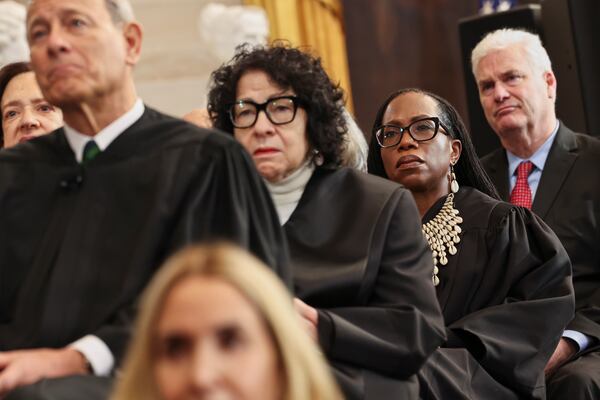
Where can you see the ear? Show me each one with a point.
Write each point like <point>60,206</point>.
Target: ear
<point>550,80</point>
<point>456,147</point>
<point>132,32</point>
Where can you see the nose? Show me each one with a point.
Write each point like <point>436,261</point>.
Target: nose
<point>406,141</point>
<point>500,92</point>
<point>205,368</point>
<point>29,120</point>
<point>263,126</point>
<point>57,41</point>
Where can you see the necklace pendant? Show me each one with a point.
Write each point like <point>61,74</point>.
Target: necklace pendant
<point>442,234</point>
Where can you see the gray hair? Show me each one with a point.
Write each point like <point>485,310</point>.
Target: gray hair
<point>120,11</point>
<point>503,38</point>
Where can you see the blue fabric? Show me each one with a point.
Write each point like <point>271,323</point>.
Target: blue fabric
<point>582,340</point>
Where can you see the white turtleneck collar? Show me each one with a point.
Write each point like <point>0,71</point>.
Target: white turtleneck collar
<point>287,192</point>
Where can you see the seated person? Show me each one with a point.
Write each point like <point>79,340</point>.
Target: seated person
<point>359,260</point>
<point>94,208</point>
<point>215,323</point>
<point>25,112</point>
<point>502,277</point>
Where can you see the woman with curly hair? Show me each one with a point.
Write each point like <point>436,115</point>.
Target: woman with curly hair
<point>359,260</point>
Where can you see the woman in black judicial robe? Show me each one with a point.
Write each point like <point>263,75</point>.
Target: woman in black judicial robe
<point>359,261</point>
<point>502,277</point>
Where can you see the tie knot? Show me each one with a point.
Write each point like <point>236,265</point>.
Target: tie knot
<point>524,169</point>
<point>90,151</point>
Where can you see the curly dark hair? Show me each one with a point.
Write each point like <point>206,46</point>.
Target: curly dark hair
<point>293,68</point>
<point>469,170</point>
<point>7,73</point>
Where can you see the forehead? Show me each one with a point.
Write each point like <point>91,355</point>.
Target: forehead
<point>258,82</point>
<point>216,300</point>
<point>409,105</point>
<point>47,9</point>
<point>21,87</point>
<point>502,60</point>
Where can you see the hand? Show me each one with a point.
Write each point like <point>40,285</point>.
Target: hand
<point>199,117</point>
<point>565,349</point>
<point>24,367</point>
<point>310,317</point>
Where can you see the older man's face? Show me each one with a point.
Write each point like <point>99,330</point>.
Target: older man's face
<point>514,95</point>
<point>77,52</point>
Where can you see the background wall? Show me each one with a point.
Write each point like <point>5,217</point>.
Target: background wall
<point>175,66</point>
<point>393,44</point>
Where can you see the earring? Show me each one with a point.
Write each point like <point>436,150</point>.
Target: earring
<point>318,158</point>
<point>453,182</point>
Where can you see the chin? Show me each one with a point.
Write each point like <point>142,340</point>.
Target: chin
<point>269,172</point>
<point>509,123</point>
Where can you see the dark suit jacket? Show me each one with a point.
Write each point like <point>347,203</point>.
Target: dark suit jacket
<point>568,200</point>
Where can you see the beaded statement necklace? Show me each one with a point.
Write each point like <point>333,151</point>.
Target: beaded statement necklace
<point>442,235</point>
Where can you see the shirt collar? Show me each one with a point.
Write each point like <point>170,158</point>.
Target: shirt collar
<point>106,136</point>
<point>538,158</point>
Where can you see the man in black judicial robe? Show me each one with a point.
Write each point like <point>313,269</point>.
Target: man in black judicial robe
<point>80,236</point>
<point>566,169</point>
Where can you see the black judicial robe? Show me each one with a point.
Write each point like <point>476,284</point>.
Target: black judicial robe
<point>359,257</point>
<point>506,297</point>
<point>79,243</point>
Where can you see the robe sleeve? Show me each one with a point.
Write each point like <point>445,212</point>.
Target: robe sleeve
<point>513,339</point>
<point>225,199</point>
<point>399,323</point>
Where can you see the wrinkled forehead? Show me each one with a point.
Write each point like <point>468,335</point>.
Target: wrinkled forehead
<point>48,9</point>
<point>504,59</point>
<point>22,86</point>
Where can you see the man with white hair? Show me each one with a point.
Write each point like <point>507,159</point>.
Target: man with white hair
<point>95,207</point>
<point>548,168</point>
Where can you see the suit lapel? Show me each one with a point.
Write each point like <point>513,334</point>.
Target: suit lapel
<point>563,154</point>
<point>498,172</point>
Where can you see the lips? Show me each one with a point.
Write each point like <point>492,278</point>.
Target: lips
<point>505,110</point>
<point>26,138</point>
<point>265,151</point>
<point>409,161</point>
<point>62,71</point>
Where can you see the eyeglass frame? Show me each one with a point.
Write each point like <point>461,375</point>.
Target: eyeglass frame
<point>438,123</point>
<point>296,101</point>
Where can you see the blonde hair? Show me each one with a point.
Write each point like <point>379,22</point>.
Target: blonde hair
<point>503,38</point>
<point>305,372</point>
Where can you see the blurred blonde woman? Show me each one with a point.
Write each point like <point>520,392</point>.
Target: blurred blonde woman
<point>215,323</point>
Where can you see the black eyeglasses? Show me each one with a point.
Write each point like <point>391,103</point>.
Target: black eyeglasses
<point>279,110</point>
<point>421,130</point>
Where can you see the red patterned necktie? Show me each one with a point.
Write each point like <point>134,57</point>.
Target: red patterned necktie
<point>521,193</point>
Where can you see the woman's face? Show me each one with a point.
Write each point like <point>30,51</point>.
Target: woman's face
<point>25,112</point>
<point>212,344</point>
<point>277,150</point>
<point>421,167</point>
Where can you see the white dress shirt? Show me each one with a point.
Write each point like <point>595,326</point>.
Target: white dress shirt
<point>92,347</point>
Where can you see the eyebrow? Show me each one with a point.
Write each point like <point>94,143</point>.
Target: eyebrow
<point>15,103</point>
<point>42,20</point>
<point>278,94</point>
<point>413,119</point>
